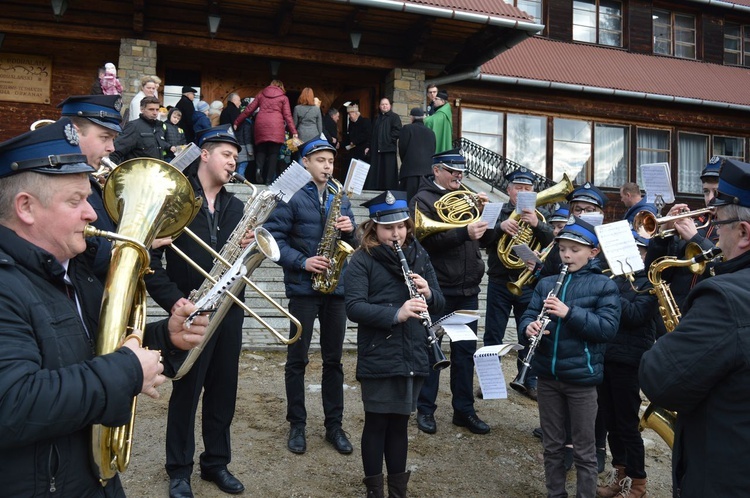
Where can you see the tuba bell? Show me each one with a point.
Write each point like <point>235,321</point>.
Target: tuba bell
<point>146,198</point>
<point>555,193</point>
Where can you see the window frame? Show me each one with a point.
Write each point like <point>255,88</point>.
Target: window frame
<point>598,22</point>
<point>674,29</point>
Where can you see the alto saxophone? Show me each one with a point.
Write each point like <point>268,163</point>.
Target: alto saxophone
<point>331,246</point>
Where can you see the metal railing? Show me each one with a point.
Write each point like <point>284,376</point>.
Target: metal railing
<point>492,168</point>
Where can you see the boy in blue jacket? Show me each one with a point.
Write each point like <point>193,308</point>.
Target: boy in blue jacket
<point>569,359</point>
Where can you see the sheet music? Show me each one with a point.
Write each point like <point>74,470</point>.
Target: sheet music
<point>186,156</point>
<point>525,200</point>
<point>491,213</point>
<point>490,371</point>
<point>458,317</point>
<point>619,248</point>
<point>459,332</point>
<point>290,181</point>
<point>524,252</point>
<point>356,176</point>
<point>656,180</point>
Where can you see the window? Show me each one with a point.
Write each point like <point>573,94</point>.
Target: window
<point>598,21</point>
<point>692,156</point>
<point>674,34</point>
<point>652,147</point>
<point>572,149</point>
<point>611,157</point>
<point>736,45</point>
<point>729,147</point>
<point>484,128</point>
<point>526,141</point>
<point>532,7</point>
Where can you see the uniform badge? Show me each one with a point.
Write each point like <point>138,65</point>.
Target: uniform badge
<point>523,170</point>
<point>389,198</point>
<point>118,104</point>
<point>587,185</point>
<point>571,220</point>
<point>71,135</point>
<point>230,132</point>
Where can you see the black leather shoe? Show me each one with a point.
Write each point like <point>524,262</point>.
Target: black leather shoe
<point>537,432</point>
<point>224,480</point>
<point>471,422</point>
<point>297,443</point>
<point>426,423</point>
<point>180,488</point>
<point>337,437</point>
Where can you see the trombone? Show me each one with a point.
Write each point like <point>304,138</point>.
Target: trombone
<point>647,225</point>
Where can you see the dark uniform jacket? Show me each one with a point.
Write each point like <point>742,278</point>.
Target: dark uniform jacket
<point>456,258</point>
<point>637,331</point>
<point>141,138</point>
<point>416,145</point>
<point>298,227</point>
<point>702,370</point>
<point>574,350</point>
<point>52,387</point>
<point>375,290</point>
<point>543,234</point>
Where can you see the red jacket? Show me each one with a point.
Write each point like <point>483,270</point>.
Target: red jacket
<point>274,112</point>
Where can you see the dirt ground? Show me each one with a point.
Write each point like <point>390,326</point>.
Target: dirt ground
<point>507,462</point>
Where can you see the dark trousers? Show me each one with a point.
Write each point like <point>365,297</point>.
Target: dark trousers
<point>499,303</point>
<point>215,375</point>
<point>384,435</point>
<point>554,397</point>
<point>619,402</point>
<point>331,313</point>
<point>461,369</point>
<point>266,158</point>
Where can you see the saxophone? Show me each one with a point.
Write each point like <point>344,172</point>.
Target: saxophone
<point>331,246</point>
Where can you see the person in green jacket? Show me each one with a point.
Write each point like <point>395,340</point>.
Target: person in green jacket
<point>441,123</point>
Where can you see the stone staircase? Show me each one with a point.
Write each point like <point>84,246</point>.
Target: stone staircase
<point>269,278</point>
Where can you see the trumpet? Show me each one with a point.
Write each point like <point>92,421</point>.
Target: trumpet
<point>646,224</point>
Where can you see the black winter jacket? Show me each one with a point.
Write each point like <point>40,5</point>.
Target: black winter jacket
<point>298,227</point>
<point>456,258</point>
<point>385,132</point>
<point>52,387</point>
<point>637,331</point>
<point>375,290</point>
<point>141,138</point>
<point>574,350</point>
<point>416,146</point>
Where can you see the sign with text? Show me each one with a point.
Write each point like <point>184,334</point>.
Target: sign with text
<point>25,78</point>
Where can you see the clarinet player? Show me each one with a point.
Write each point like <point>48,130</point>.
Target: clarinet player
<point>298,227</point>
<point>569,358</point>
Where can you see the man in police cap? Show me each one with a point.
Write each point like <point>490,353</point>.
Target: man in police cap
<point>702,368</point>
<point>455,255</point>
<point>500,300</point>
<point>52,387</point>
<point>215,372</point>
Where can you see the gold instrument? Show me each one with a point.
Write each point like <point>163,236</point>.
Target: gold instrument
<point>257,209</point>
<point>331,246</point>
<point>106,167</point>
<point>527,277</point>
<point>456,209</point>
<point>146,198</point>
<point>657,418</point>
<point>555,193</point>
<point>40,123</point>
<point>646,224</point>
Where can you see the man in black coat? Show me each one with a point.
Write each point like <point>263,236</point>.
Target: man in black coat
<point>358,134</point>
<point>215,372</point>
<point>702,368</point>
<point>458,263</point>
<point>231,111</point>
<point>416,146</point>
<point>186,106</point>
<point>383,174</point>
<point>53,388</point>
<point>331,127</point>
<point>143,137</point>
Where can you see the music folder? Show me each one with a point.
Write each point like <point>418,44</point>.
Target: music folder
<point>490,371</point>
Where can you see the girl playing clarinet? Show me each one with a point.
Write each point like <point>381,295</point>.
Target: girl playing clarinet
<point>392,356</point>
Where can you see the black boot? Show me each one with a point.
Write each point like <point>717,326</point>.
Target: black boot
<point>374,486</point>
<point>397,484</point>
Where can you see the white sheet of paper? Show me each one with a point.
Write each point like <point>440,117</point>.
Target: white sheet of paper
<point>491,213</point>
<point>290,181</point>
<point>490,371</point>
<point>356,176</point>
<point>656,180</point>
<point>524,252</point>
<point>459,317</point>
<point>619,248</point>
<point>593,219</point>
<point>525,200</point>
<point>459,332</point>
<point>186,156</point>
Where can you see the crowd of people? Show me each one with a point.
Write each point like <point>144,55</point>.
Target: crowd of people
<point>591,343</point>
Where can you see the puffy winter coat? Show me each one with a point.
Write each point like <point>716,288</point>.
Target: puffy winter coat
<point>273,118</point>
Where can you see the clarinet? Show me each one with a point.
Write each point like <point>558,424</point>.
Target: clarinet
<point>439,360</point>
<point>519,382</point>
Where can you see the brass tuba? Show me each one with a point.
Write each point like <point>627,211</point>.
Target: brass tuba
<point>555,193</point>
<point>456,209</point>
<point>146,198</point>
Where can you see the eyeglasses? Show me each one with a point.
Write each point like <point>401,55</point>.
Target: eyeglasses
<point>578,210</point>
<point>453,172</point>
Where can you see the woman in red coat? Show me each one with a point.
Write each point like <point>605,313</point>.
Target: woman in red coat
<point>274,116</point>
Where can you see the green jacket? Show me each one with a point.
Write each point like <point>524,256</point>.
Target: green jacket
<point>442,124</point>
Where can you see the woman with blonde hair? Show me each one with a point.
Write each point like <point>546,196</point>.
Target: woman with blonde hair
<point>307,116</point>
<point>274,116</point>
<point>149,86</point>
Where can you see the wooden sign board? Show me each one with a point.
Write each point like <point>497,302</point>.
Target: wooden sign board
<point>25,78</point>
